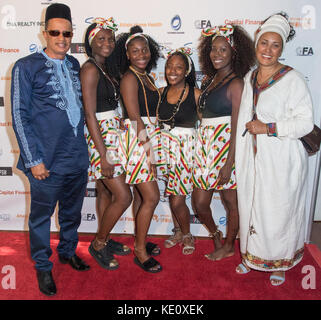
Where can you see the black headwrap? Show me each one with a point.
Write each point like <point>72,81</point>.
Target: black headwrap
<point>58,10</point>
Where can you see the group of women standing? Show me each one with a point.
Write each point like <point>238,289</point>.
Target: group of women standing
<point>194,138</point>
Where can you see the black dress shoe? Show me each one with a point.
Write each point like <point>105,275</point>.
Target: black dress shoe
<point>46,283</point>
<point>75,262</point>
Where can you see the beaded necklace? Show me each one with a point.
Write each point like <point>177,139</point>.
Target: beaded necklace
<point>139,75</point>
<point>205,93</point>
<point>116,94</point>
<point>175,109</point>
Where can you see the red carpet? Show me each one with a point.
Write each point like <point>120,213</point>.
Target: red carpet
<point>183,278</point>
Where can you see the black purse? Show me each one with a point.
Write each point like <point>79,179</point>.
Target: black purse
<point>311,141</point>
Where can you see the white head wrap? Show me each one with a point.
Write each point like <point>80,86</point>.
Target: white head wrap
<point>276,23</point>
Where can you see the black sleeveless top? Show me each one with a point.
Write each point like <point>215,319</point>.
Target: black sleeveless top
<point>105,93</point>
<point>217,104</point>
<point>186,116</point>
<point>152,101</point>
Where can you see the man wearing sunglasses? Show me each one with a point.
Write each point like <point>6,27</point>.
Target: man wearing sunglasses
<point>48,122</point>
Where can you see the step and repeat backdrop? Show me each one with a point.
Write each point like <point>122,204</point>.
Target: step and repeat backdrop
<point>172,24</point>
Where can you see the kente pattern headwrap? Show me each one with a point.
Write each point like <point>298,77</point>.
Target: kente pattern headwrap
<point>131,37</point>
<point>58,10</point>
<point>186,51</point>
<point>102,24</point>
<point>220,31</point>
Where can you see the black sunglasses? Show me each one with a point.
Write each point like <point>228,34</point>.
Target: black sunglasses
<point>56,33</point>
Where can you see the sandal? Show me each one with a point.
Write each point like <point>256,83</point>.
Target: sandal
<point>103,257</point>
<point>150,249</point>
<point>189,246</point>
<point>174,239</point>
<point>148,265</point>
<point>274,278</point>
<point>243,268</point>
<point>217,235</point>
<point>117,248</point>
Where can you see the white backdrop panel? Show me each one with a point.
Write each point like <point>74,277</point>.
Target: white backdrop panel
<point>172,24</point>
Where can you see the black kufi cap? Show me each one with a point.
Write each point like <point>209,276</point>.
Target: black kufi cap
<point>58,10</point>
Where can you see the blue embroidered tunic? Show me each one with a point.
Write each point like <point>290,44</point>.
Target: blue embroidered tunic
<point>47,113</point>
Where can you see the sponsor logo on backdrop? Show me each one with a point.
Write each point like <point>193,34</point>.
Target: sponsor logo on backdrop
<point>125,218</point>
<point>89,20</point>
<point>202,24</point>
<point>222,221</point>
<point>13,192</point>
<point>243,22</point>
<point>309,18</point>
<point>5,171</point>
<point>24,215</point>
<point>91,193</point>
<point>9,50</point>
<point>162,218</point>
<point>307,22</point>
<point>142,24</point>
<point>301,22</point>
<point>199,76</point>
<point>6,124</point>
<point>304,51</point>
<point>1,102</point>
<point>88,217</point>
<point>176,24</point>
<point>4,217</point>
<point>77,48</point>
<point>22,24</point>
<point>33,47</point>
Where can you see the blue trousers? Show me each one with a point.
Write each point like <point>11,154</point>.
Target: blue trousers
<point>69,191</point>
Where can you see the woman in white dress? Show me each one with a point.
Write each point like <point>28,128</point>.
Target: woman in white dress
<point>271,162</point>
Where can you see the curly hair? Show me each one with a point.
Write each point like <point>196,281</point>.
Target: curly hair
<point>191,77</point>
<point>120,50</point>
<point>242,60</point>
<point>110,61</point>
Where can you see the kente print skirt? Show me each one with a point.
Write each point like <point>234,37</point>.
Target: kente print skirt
<point>212,146</point>
<point>179,145</point>
<point>135,156</point>
<point>109,127</point>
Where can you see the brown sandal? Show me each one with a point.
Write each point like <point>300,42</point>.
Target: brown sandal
<point>216,235</point>
<point>174,239</point>
<point>189,244</point>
